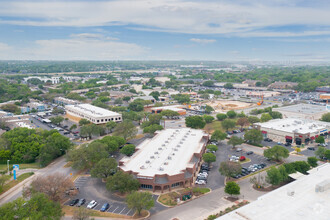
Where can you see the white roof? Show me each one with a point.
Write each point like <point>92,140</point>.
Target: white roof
<point>303,109</point>
<point>172,107</point>
<point>92,111</point>
<point>295,125</point>
<point>169,152</point>
<point>306,198</point>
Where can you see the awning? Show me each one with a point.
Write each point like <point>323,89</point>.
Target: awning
<point>264,132</point>
<point>288,137</point>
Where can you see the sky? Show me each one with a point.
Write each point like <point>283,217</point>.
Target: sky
<point>220,30</point>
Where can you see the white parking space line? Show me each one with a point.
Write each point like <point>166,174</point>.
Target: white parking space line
<point>122,210</point>
<point>115,209</point>
<point>128,211</point>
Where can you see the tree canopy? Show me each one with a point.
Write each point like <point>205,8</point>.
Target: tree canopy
<point>139,201</point>
<point>253,136</point>
<point>232,188</point>
<point>122,182</point>
<point>195,122</point>
<point>228,124</point>
<point>104,168</point>
<point>229,168</point>
<point>277,153</point>
<point>218,135</point>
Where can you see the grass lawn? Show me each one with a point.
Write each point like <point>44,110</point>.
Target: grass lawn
<point>168,199</point>
<point>69,210</point>
<point>245,161</point>
<point>15,182</point>
<point>21,166</point>
<point>215,125</point>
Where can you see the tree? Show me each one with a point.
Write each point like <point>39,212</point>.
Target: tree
<point>301,166</point>
<point>320,140</point>
<point>38,206</point>
<point>74,126</point>
<point>126,98</point>
<point>182,98</point>
<point>3,180</point>
<point>155,94</point>
<point>110,125</point>
<point>253,136</point>
<point>232,188</point>
<point>231,114</point>
<point>208,109</point>
<point>265,117</point>
<point>228,86</point>
<point>128,149</point>
<point>54,186</point>
<point>241,115</point>
<point>221,116</point>
<point>83,122</point>
<point>242,122</point>
<point>139,201</point>
<point>229,168</point>
<point>274,176</point>
<point>208,118</point>
<point>169,113</point>
<point>212,147</point>
<point>56,120</point>
<point>327,154</point>
<point>56,111</point>
<point>81,214</point>
<point>122,182</point>
<point>152,128</point>
<point>253,119</point>
<point>228,124</point>
<point>126,129</point>
<point>275,115</point>
<point>218,135</point>
<point>208,83</point>
<point>104,168</point>
<point>234,140</point>
<point>209,158</point>
<point>276,153</point>
<point>312,161</point>
<point>284,174</point>
<point>195,122</point>
<point>320,151</point>
<point>326,117</point>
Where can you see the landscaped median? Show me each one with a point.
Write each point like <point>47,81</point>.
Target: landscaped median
<point>13,183</point>
<point>171,199</point>
<point>227,210</point>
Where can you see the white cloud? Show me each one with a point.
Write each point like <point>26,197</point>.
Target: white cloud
<point>239,18</point>
<point>202,41</point>
<point>77,47</point>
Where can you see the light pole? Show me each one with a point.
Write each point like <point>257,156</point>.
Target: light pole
<point>8,165</point>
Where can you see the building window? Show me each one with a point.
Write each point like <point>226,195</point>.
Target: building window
<point>176,184</point>
<point>101,120</point>
<point>98,120</point>
<point>116,119</point>
<point>119,118</point>
<point>111,119</point>
<point>144,186</point>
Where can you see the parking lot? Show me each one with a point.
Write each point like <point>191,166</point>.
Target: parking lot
<point>215,180</point>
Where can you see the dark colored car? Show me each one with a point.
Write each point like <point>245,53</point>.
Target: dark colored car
<point>81,202</point>
<point>104,207</point>
<point>263,165</point>
<point>249,152</point>
<point>287,144</point>
<point>66,132</point>
<point>73,202</point>
<point>268,140</point>
<point>311,148</point>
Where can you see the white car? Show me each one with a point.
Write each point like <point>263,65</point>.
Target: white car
<point>202,175</point>
<point>92,204</point>
<point>200,182</point>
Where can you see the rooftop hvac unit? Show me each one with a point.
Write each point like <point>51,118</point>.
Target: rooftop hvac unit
<point>163,145</point>
<point>178,145</point>
<point>185,136</point>
<point>166,163</point>
<point>169,157</point>
<point>166,142</point>
<point>161,169</point>
<point>156,152</point>
<point>173,154</point>
<point>152,157</point>
<point>175,149</point>
<point>183,139</point>
<point>147,161</point>
<point>160,148</point>
<point>142,167</point>
<point>181,142</point>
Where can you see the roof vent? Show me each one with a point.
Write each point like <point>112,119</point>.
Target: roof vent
<point>166,142</point>
<point>147,161</point>
<point>156,152</point>
<point>160,148</point>
<point>173,154</point>
<point>166,163</point>
<point>290,192</point>
<point>152,157</point>
<point>161,169</point>
<point>175,149</point>
<point>169,157</point>
<point>163,145</point>
<point>181,142</point>
<point>142,167</point>
<point>178,145</point>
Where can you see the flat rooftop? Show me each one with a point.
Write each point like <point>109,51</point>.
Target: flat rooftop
<point>169,152</point>
<point>304,199</point>
<point>303,108</point>
<point>92,111</point>
<point>295,125</point>
<point>170,107</point>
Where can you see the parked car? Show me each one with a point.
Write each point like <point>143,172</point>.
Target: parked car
<point>249,152</point>
<point>310,148</point>
<point>92,204</point>
<point>242,158</point>
<point>287,144</point>
<point>238,150</point>
<point>66,132</point>
<point>73,202</point>
<point>81,202</point>
<point>105,207</point>
<point>200,182</point>
<point>268,140</point>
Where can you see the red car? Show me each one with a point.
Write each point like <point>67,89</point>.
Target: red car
<point>242,158</point>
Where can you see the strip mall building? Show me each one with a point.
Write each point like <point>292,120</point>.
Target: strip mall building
<point>170,159</point>
<point>293,130</point>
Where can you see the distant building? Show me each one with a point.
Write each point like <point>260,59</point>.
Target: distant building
<point>53,80</point>
<point>251,83</point>
<point>147,98</point>
<point>39,107</point>
<point>303,199</point>
<point>325,89</point>
<point>17,121</point>
<point>293,130</point>
<point>120,94</point>
<point>65,101</point>
<point>282,85</point>
<point>304,111</point>
<point>170,159</point>
<point>92,113</point>
<point>176,108</point>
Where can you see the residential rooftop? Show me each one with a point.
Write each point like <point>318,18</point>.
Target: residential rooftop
<point>295,125</point>
<point>170,152</point>
<point>306,198</point>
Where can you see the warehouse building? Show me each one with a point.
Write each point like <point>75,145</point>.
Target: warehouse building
<point>170,159</point>
<point>65,101</point>
<point>293,130</point>
<point>92,113</point>
<point>303,111</point>
<point>303,199</point>
<point>176,108</point>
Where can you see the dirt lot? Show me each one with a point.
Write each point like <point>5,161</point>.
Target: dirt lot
<point>227,105</point>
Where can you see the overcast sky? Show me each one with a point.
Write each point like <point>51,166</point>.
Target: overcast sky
<point>230,30</point>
